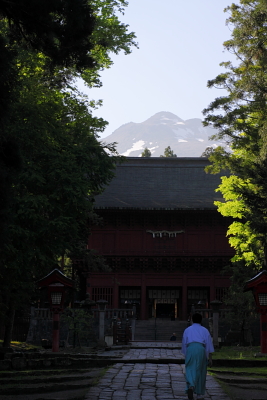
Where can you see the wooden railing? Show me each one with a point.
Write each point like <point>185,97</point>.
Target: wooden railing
<point>120,313</point>
<point>42,313</point>
<point>208,312</point>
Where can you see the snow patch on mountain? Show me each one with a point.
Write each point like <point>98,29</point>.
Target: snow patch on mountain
<point>136,146</point>
<point>187,138</point>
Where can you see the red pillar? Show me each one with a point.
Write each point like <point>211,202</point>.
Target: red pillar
<point>55,343</point>
<point>115,293</point>
<point>143,298</point>
<point>89,289</point>
<point>115,331</point>
<point>184,299</point>
<point>264,333</point>
<point>212,288</point>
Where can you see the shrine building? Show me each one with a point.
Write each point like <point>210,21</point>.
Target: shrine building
<point>162,237</point>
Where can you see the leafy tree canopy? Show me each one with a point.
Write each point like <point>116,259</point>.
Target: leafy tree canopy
<point>63,167</point>
<point>146,153</point>
<point>52,162</point>
<point>75,39</point>
<point>168,152</point>
<point>207,152</point>
<point>241,120</point>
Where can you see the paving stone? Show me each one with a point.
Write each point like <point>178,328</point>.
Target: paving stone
<point>147,381</point>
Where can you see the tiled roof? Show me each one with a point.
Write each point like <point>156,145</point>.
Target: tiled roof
<point>161,183</point>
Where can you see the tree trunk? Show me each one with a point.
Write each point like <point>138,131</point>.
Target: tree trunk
<point>62,262</point>
<point>10,315</point>
<point>265,255</point>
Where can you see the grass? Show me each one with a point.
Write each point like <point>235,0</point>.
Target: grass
<point>39,372</point>
<point>22,346</point>
<point>258,371</point>
<point>225,352</point>
<point>102,373</point>
<point>237,353</point>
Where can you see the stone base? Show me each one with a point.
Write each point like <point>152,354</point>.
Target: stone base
<point>260,355</point>
<point>101,343</point>
<point>109,340</point>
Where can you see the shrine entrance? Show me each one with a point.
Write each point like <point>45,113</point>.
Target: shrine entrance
<point>164,303</point>
<point>165,310</point>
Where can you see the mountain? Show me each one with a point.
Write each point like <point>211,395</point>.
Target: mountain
<point>186,138</point>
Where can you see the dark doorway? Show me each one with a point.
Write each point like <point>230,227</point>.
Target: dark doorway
<point>165,310</point>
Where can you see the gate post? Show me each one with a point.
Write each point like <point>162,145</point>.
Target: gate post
<point>115,327</point>
<point>128,333</point>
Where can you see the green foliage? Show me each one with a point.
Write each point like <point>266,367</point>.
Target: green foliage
<point>23,346</point>
<point>146,153</point>
<point>52,162</point>
<point>168,152</point>
<point>242,236</point>
<point>64,166</point>
<point>235,353</point>
<point>241,120</point>
<point>80,323</point>
<point>241,117</point>
<point>253,372</point>
<point>207,152</point>
<point>241,305</point>
<point>70,33</point>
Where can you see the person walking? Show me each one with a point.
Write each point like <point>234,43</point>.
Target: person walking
<point>197,347</point>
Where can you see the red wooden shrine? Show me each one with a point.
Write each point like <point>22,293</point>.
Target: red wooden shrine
<point>162,238</point>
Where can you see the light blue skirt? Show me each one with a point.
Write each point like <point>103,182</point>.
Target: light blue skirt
<point>196,367</point>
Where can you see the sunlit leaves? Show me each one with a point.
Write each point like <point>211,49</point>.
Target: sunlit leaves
<point>241,120</point>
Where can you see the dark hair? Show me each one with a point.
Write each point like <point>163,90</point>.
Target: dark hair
<point>197,318</point>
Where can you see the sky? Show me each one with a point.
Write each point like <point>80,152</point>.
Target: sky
<point>180,49</point>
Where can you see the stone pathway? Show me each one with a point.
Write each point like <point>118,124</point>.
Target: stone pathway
<point>150,353</point>
<point>147,381</point>
<point>156,345</point>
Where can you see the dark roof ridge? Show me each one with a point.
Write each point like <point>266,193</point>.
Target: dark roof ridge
<point>161,183</point>
<point>166,160</point>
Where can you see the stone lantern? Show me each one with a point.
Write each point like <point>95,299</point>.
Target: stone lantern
<point>57,284</point>
<point>87,304</point>
<point>102,308</point>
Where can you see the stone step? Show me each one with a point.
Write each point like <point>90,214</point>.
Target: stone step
<point>159,330</point>
<point>44,377</point>
<point>48,383</point>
